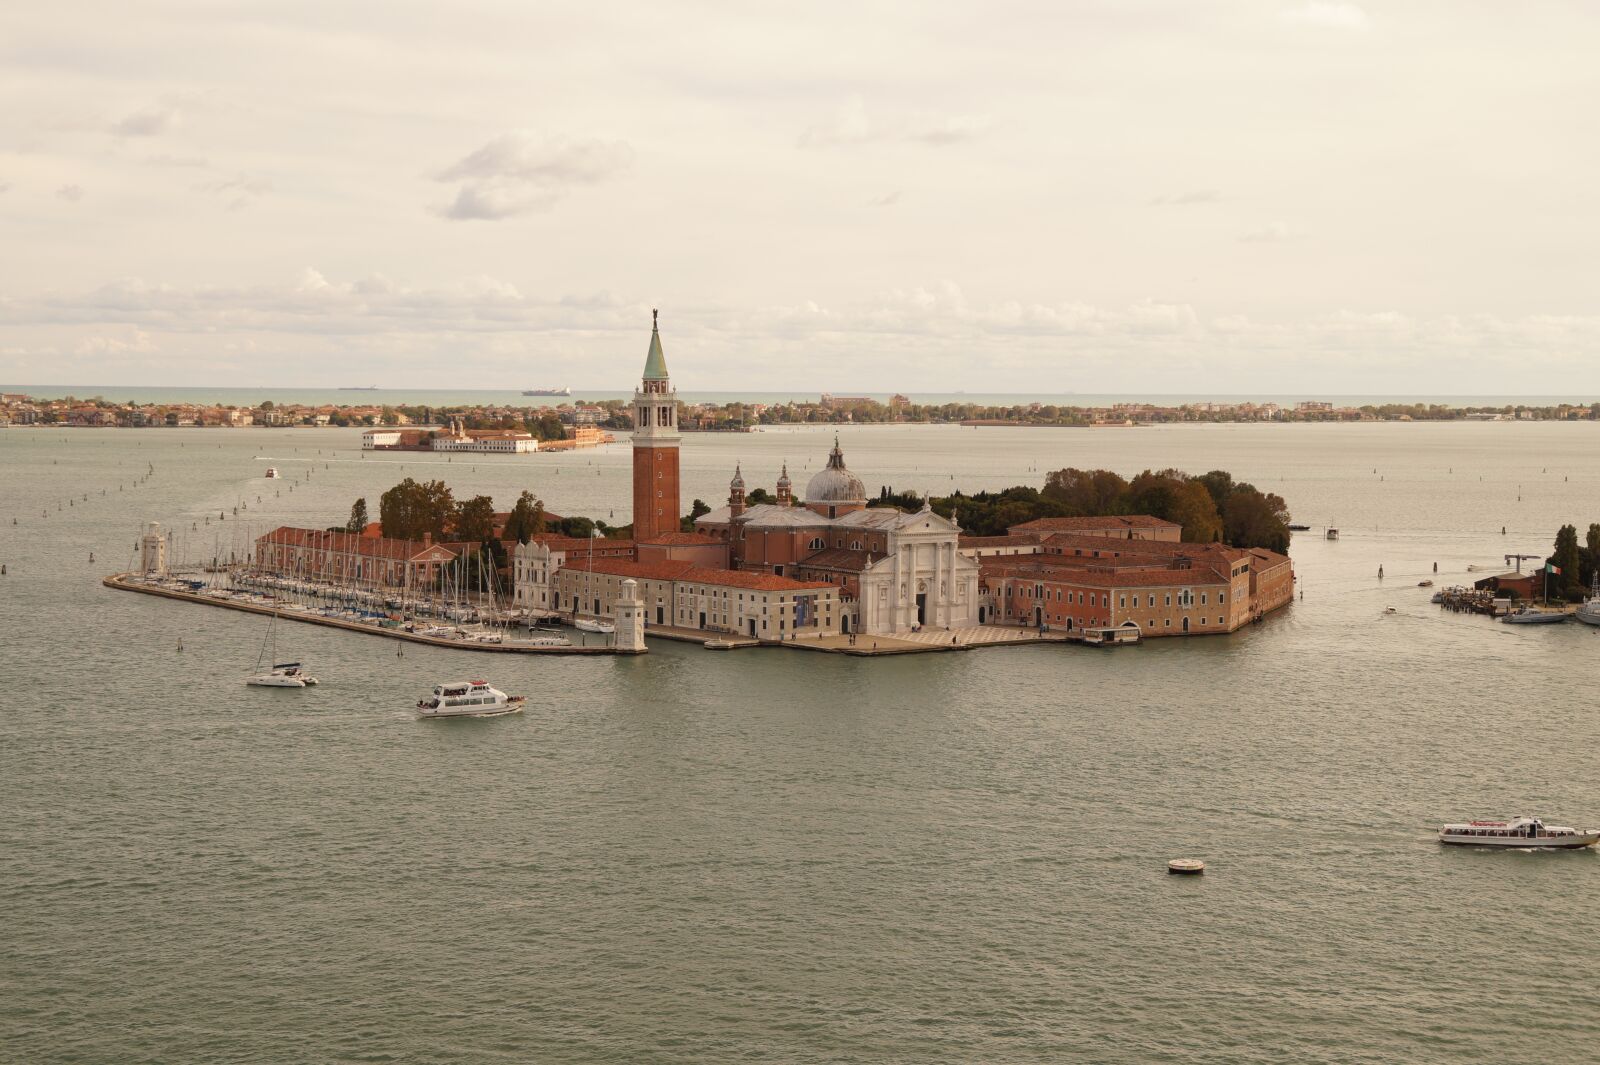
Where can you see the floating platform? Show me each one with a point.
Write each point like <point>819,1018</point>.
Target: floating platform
<point>120,581</point>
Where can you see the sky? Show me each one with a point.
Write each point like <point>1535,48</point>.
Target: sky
<point>1159,196</point>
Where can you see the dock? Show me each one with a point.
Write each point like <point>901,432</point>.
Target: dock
<point>121,582</point>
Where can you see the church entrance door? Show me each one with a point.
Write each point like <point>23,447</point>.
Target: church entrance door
<point>922,608</point>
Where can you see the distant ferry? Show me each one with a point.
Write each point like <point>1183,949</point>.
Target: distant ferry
<point>358,388</point>
<point>547,392</point>
<point>1519,832</point>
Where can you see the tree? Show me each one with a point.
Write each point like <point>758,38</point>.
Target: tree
<point>358,516</point>
<point>1220,484</point>
<point>1087,493</point>
<point>526,520</point>
<point>411,509</point>
<point>1591,558</point>
<point>474,520</point>
<point>1565,583</point>
<point>1193,508</point>
<point>575,527</point>
<point>759,495</point>
<point>699,507</point>
<point>1254,519</point>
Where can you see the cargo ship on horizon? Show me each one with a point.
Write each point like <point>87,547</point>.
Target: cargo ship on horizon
<point>547,391</point>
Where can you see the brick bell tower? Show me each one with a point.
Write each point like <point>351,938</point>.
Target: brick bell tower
<point>655,446</point>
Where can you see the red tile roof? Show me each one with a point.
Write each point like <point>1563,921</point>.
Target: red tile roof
<point>347,543</point>
<point>682,539</point>
<point>843,559</point>
<point>688,571</point>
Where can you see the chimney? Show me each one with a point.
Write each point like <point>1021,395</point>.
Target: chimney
<point>427,539</point>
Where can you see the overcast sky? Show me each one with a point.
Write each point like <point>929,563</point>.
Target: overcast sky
<point>1164,196</point>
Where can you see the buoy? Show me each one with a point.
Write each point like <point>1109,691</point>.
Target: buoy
<point>1186,866</point>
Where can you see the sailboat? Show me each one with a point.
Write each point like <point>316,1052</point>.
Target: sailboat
<point>594,624</point>
<point>282,674</point>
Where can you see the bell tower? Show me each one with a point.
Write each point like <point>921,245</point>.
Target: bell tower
<point>655,446</point>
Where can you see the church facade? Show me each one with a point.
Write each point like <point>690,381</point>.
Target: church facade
<point>897,571</point>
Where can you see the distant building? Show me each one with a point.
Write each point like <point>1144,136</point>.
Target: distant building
<point>351,558</point>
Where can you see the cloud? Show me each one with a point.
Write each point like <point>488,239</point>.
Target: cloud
<point>1273,232</point>
<point>133,342</point>
<point>852,124</point>
<point>187,161</point>
<point>517,173</point>
<point>888,199</point>
<point>1186,199</point>
<point>70,193</point>
<point>240,191</point>
<point>149,122</point>
<point>1329,14</point>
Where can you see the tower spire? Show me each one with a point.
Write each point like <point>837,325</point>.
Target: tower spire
<point>655,363</point>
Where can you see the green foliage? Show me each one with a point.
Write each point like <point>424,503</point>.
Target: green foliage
<point>759,495</point>
<point>411,509</point>
<point>358,516</point>
<point>527,519</point>
<point>474,520</point>
<point>1244,517</point>
<point>698,508</point>
<point>580,527</point>
<point>1568,582</point>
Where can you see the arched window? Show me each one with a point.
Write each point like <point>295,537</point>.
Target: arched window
<point>818,543</point>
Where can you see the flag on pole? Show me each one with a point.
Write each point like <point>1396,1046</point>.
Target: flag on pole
<point>1551,567</point>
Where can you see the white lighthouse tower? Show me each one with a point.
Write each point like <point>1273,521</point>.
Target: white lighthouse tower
<point>627,614</point>
<point>153,549</point>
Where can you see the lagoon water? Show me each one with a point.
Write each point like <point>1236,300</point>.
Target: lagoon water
<point>777,856</point>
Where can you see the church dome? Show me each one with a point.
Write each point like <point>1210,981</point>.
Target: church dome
<point>834,483</point>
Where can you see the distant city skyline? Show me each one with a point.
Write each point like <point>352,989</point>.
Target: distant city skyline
<point>1306,197</point>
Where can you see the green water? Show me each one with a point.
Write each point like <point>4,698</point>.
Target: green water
<point>775,856</point>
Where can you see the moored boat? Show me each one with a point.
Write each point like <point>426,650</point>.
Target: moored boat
<point>1529,616</point>
<point>1522,832</point>
<point>594,625</point>
<point>1589,612</point>
<point>469,698</point>
<point>272,471</point>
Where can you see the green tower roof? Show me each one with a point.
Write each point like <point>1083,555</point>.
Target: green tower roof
<point>655,365</point>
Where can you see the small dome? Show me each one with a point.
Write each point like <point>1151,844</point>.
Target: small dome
<point>835,484</point>
<point>783,478</point>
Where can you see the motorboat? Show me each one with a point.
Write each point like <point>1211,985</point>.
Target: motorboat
<point>1529,616</point>
<point>1333,534</point>
<point>283,675</point>
<point>272,472</point>
<point>594,625</point>
<point>1589,612</point>
<point>469,698</point>
<point>1298,527</point>
<point>1424,584</point>
<point>1521,832</point>
<point>546,641</point>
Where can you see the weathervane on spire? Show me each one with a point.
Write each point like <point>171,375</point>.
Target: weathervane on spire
<point>653,316</point>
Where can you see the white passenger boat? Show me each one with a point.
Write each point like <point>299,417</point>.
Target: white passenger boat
<point>1523,832</point>
<point>469,698</point>
<point>594,625</point>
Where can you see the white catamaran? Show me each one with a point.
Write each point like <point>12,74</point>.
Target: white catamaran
<point>282,674</point>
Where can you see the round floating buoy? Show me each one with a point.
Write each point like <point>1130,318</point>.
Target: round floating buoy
<point>1186,866</point>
